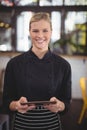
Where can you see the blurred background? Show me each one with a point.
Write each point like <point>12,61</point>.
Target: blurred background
<point>69,40</point>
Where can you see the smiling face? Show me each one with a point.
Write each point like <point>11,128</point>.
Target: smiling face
<point>40,33</point>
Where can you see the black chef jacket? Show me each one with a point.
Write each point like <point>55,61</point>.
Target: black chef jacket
<point>37,79</point>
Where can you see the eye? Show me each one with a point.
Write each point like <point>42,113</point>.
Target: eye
<point>34,30</point>
<point>45,30</point>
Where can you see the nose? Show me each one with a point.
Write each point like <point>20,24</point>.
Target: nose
<point>40,34</point>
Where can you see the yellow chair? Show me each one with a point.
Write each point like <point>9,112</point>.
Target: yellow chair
<point>83,81</point>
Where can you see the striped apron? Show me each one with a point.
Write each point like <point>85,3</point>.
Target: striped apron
<point>37,119</point>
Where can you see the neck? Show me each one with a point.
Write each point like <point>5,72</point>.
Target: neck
<point>39,53</point>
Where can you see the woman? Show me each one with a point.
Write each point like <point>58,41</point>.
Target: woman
<point>37,75</point>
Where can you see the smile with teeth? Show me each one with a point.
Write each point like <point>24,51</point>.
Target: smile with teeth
<point>41,41</point>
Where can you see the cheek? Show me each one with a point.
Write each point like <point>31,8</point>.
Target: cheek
<point>32,36</point>
<point>49,36</point>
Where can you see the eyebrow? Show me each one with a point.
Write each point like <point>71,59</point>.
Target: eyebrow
<point>38,29</point>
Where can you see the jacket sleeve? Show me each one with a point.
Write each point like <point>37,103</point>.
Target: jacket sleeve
<point>65,94</point>
<point>9,89</point>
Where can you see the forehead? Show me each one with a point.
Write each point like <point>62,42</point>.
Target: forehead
<point>40,24</point>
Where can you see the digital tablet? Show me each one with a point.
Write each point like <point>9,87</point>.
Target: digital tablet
<point>39,103</point>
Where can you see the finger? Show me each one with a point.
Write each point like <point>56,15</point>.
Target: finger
<point>53,99</point>
<point>23,99</point>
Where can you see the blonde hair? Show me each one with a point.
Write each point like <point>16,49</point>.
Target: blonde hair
<point>39,16</point>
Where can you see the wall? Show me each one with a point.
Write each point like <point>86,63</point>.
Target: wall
<point>79,69</point>
<point>78,65</point>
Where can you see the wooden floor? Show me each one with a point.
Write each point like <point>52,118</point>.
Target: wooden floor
<point>70,120</point>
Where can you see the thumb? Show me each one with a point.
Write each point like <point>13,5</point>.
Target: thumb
<point>53,99</point>
<point>23,99</point>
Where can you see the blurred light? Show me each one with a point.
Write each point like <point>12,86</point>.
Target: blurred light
<point>2,24</point>
<point>6,25</point>
<point>6,3</point>
<point>3,47</point>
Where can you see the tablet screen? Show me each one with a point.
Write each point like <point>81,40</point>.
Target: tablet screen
<point>39,103</point>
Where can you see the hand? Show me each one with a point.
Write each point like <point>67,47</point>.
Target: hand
<point>16,105</point>
<point>57,107</point>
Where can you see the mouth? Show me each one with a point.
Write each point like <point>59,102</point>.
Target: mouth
<point>40,41</point>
